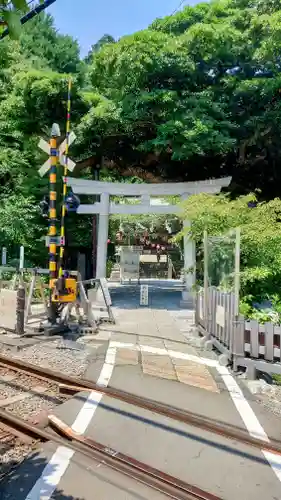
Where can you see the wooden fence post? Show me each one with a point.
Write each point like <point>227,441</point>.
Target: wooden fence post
<point>20,310</point>
<point>238,340</point>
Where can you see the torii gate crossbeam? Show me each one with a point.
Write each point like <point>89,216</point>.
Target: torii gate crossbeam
<point>145,192</point>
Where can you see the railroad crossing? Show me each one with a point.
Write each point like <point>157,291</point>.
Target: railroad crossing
<point>208,421</point>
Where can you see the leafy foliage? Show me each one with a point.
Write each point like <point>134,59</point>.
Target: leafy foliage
<point>193,96</point>
<point>11,13</point>
<point>260,239</point>
<point>33,93</point>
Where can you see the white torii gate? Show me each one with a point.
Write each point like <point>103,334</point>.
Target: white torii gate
<point>104,208</point>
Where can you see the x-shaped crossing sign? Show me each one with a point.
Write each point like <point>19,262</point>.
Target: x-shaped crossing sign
<point>45,146</point>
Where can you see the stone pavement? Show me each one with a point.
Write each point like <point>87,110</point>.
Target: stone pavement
<point>147,337</point>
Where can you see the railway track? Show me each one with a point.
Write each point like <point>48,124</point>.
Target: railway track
<point>30,397</point>
<point>72,385</point>
<point>15,429</point>
<point>21,392</point>
<point>169,485</point>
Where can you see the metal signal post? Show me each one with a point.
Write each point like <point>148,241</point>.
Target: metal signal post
<point>63,289</point>
<point>63,209</point>
<point>55,133</point>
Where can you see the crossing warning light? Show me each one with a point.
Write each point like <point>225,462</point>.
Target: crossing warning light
<point>72,202</point>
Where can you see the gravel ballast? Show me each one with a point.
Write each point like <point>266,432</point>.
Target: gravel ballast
<point>66,357</point>
<point>55,355</point>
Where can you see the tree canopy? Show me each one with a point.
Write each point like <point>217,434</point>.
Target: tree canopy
<point>260,227</point>
<point>193,96</point>
<point>196,95</point>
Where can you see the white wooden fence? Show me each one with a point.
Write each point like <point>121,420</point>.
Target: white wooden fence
<point>246,343</point>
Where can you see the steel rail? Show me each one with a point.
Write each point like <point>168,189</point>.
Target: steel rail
<point>172,483</point>
<point>153,478</point>
<point>217,427</point>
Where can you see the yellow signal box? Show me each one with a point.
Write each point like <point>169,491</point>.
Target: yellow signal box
<point>69,294</point>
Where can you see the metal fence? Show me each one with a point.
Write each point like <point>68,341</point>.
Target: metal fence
<point>246,343</point>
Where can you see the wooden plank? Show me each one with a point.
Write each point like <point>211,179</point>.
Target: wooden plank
<point>29,298</point>
<point>201,309</point>
<point>239,336</point>
<point>220,315</point>
<point>254,336</point>
<point>238,343</point>
<point>228,320</point>
<point>212,311</point>
<point>226,323</point>
<point>42,293</point>
<point>269,333</point>
<point>8,309</point>
<point>231,325</point>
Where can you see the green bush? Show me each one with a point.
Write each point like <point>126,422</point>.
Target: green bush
<point>260,263</point>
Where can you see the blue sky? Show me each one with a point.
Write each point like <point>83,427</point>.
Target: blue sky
<point>88,20</point>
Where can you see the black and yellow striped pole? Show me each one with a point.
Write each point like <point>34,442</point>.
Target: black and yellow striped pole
<point>65,171</point>
<point>55,133</point>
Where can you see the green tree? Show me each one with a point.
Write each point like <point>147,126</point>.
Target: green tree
<point>33,95</point>
<point>10,14</point>
<point>195,95</point>
<point>40,40</point>
<point>260,237</point>
<point>105,39</point>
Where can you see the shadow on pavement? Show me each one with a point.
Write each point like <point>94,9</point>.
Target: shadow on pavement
<point>129,298</point>
<point>228,448</point>
<point>18,484</point>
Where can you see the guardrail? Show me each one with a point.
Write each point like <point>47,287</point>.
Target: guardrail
<point>246,343</point>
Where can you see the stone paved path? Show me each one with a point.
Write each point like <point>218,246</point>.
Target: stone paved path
<point>158,327</point>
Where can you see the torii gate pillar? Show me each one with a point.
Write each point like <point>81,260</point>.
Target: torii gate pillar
<point>102,236</point>
<point>189,251</point>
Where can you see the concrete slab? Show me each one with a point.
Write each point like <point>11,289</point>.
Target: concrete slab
<point>83,479</point>
<point>151,341</point>
<point>233,469</point>
<point>170,333</point>
<point>124,337</point>
<point>180,346</point>
<point>218,406</point>
<point>17,342</point>
<point>96,361</point>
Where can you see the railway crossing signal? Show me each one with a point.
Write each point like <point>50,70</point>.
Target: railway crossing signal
<point>45,146</point>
